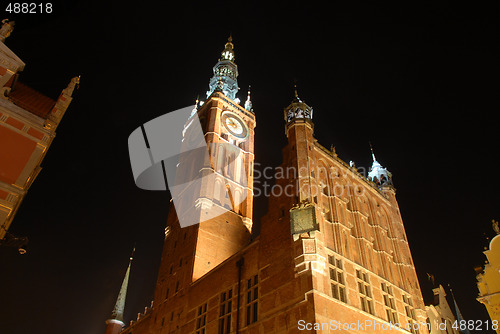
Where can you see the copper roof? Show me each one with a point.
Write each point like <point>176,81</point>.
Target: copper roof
<point>31,100</point>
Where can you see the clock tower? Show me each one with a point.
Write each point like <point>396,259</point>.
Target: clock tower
<point>224,202</point>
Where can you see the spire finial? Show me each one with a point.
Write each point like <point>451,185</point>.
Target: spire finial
<point>132,254</point>
<point>248,102</point>
<point>295,89</point>
<point>230,38</point>
<point>371,149</point>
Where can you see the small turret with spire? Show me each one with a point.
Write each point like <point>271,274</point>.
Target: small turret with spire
<point>378,174</point>
<point>298,110</point>
<point>114,324</point>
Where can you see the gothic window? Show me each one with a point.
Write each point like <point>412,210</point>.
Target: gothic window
<point>337,278</point>
<point>201,319</point>
<point>252,300</point>
<point>226,305</point>
<point>390,305</point>
<point>365,293</point>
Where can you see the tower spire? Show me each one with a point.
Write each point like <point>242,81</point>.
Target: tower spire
<point>378,174</point>
<point>225,73</point>
<point>295,92</point>
<point>371,149</point>
<point>460,318</point>
<point>115,322</point>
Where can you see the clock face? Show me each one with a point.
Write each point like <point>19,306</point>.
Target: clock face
<point>234,125</point>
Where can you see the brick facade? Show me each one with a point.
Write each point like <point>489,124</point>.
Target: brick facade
<point>350,265</point>
<point>341,271</point>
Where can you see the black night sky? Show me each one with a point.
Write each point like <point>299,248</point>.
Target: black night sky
<point>419,82</point>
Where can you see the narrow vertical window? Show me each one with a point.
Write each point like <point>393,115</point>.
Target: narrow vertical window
<point>410,313</point>
<point>201,319</point>
<point>226,307</point>
<point>365,292</point>
<point>252,300</point>
<point>337,278</point>
<point>390,305</point>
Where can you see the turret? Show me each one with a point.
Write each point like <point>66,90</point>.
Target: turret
<point>298,112</point>
<point>378,174</point>
<point>114,324</point>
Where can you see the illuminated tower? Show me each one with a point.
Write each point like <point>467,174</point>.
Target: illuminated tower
<point>348,235</point>
<point>191,252</point>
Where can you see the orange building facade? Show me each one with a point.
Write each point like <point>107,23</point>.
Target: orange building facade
<point>28,121</point>
<point>332,253</point>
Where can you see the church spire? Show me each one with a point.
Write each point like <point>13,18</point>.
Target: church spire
<point>225,73</point>
<point>115,322</point>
